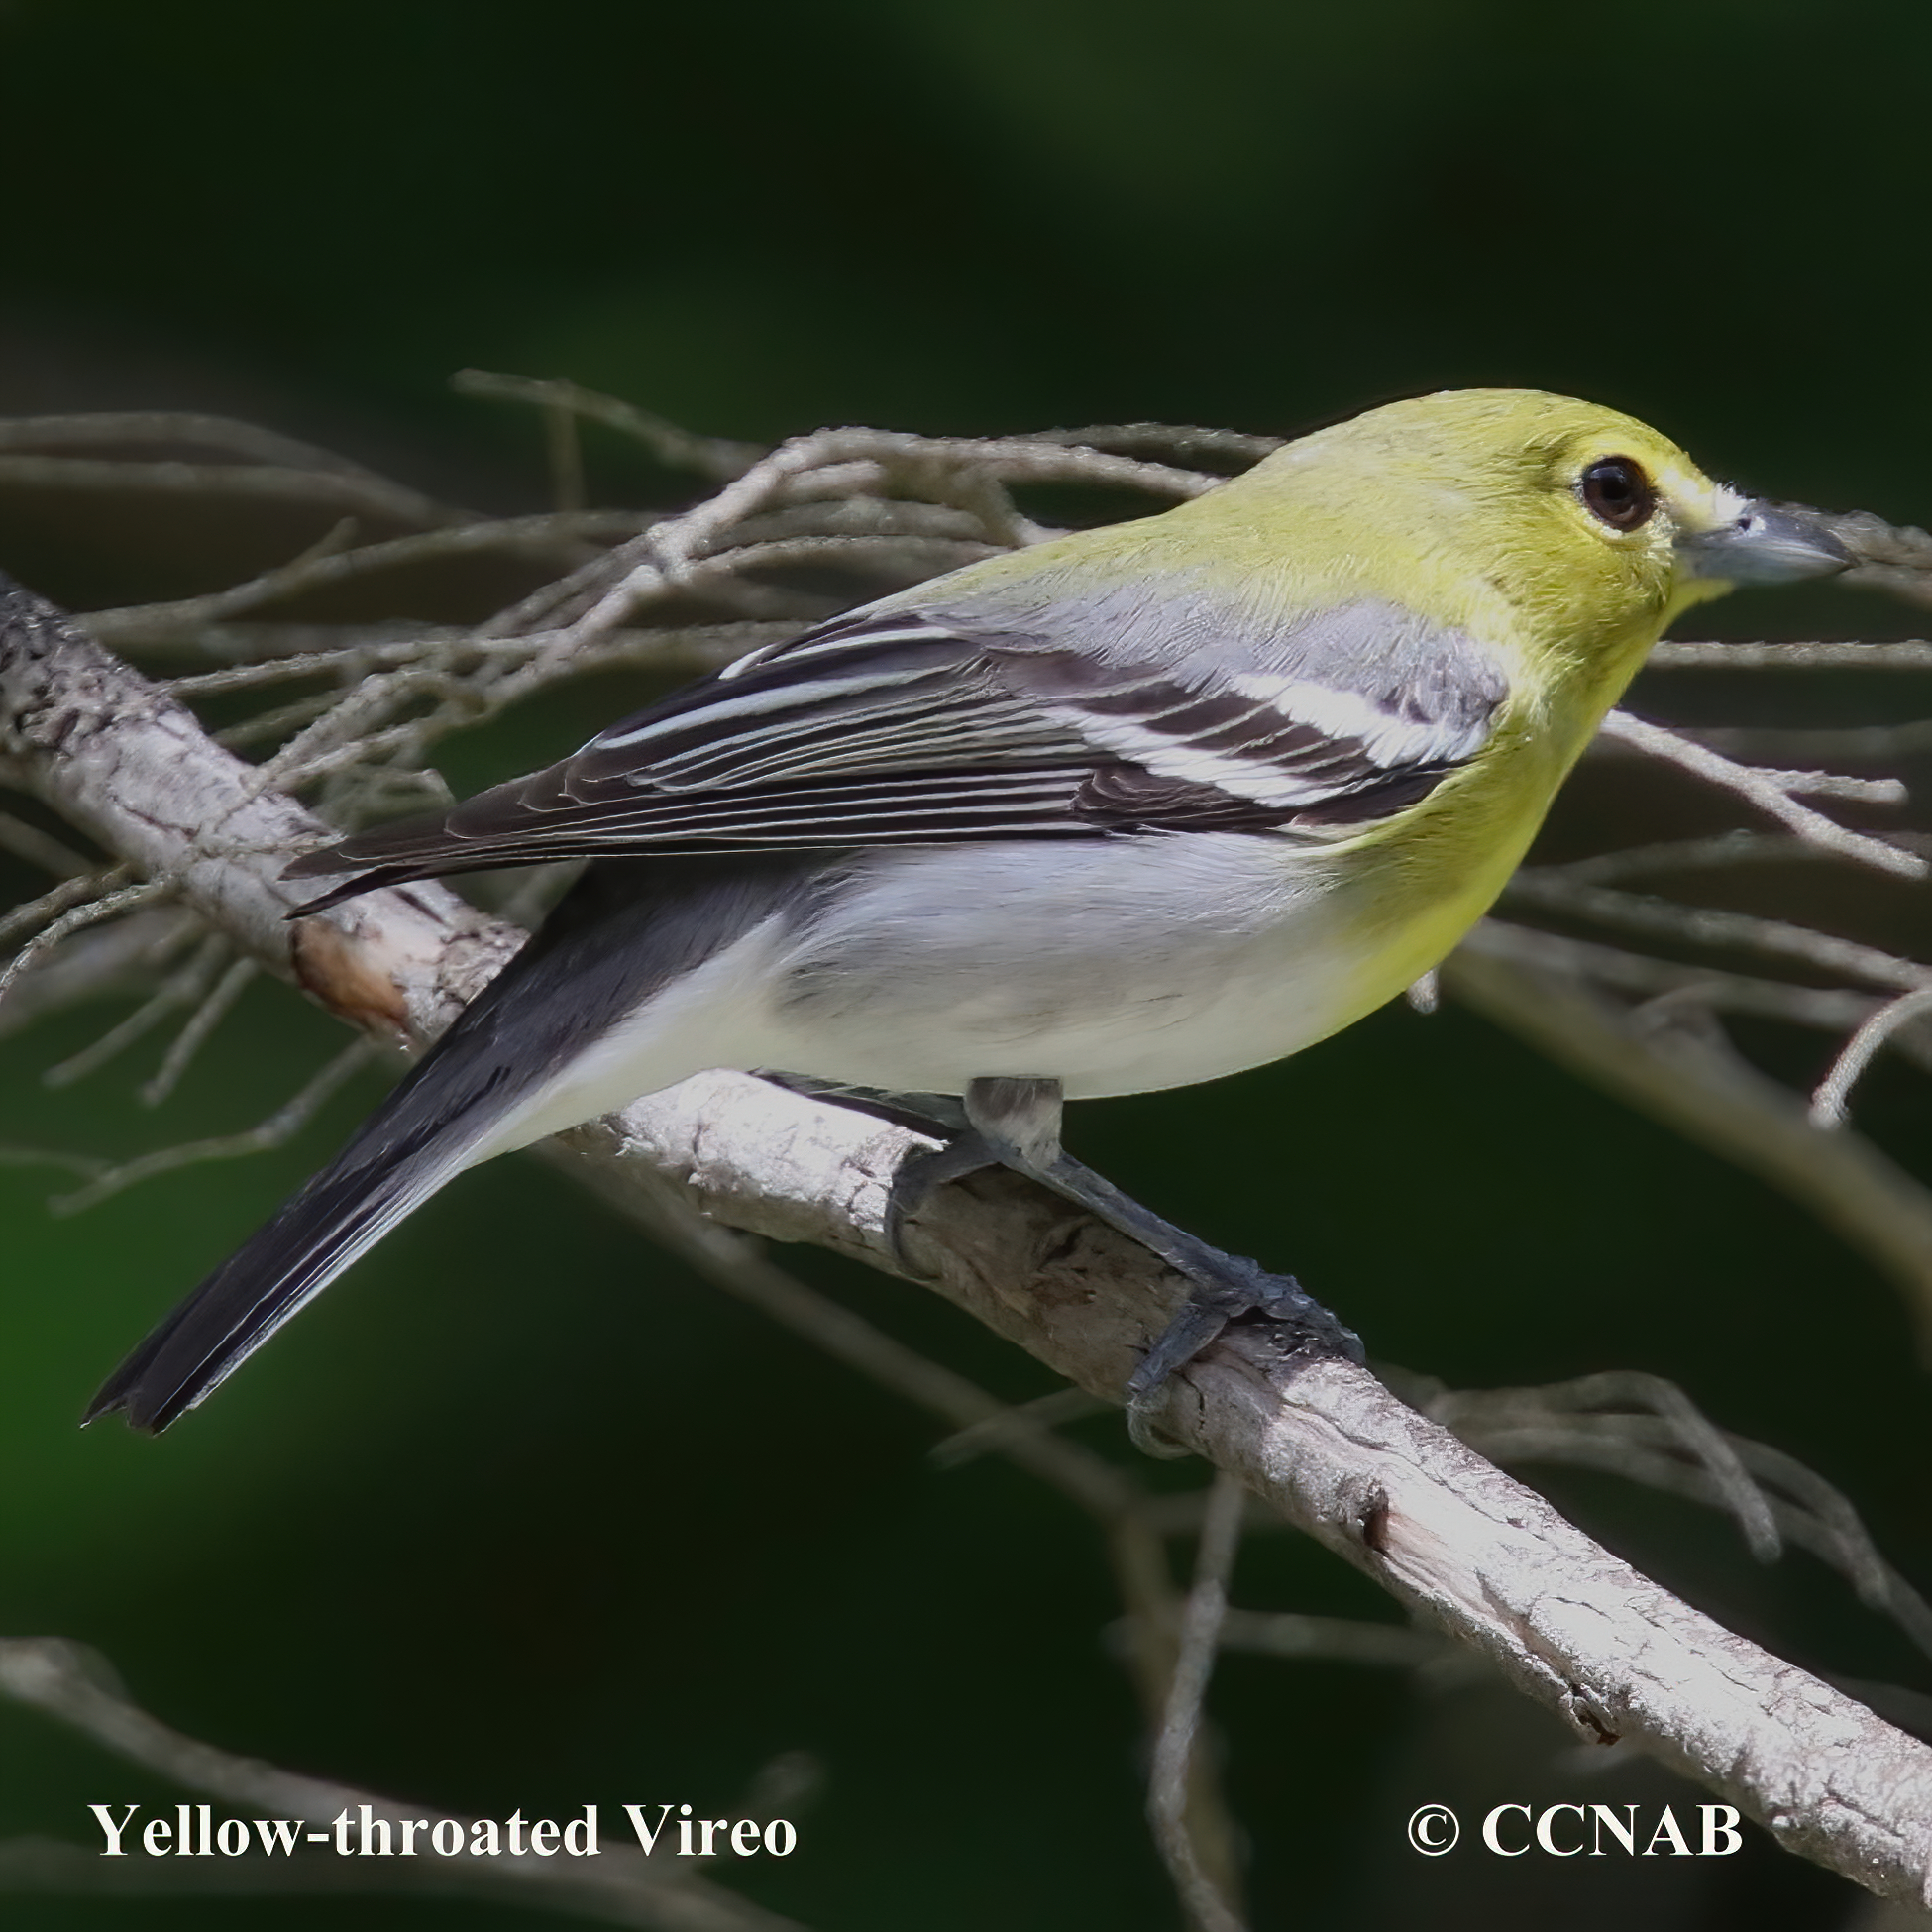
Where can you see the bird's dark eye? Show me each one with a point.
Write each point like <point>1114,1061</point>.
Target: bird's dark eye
<point>1615,491</point>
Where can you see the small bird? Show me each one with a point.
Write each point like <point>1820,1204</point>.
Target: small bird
<point>1132,809</point>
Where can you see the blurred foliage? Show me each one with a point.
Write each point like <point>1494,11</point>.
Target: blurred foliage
<point>519,1515</point>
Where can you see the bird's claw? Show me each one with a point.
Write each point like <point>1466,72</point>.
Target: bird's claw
<point>1243,1287</point>
<point>920,1176</point>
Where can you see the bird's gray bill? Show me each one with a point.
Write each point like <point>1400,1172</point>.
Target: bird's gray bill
<point>1771,543</point>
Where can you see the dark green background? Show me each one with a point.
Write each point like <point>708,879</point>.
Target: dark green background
<point>521,1516</point>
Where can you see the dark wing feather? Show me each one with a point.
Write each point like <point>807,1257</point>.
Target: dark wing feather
<point>889,729</point>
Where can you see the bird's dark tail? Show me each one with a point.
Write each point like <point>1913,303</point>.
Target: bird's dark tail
<point>625,930</point>
<point>343,1212</point>
<point>417,1141</point>
<point>505,1042</point>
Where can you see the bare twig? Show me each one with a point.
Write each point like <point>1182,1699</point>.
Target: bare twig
<point>1807,744</point>
<point>100,898</point>
<point>1579,1423</point>
<point>183,988</point>
<point>1342,1640</point>
<point>1770,792</point>
<point>1206,1903</point>
<point>665,553</point>
<point>1707,926</point>
<point>74,889</point>
<point>1685,1427</point>
<point>272,654</point>
<point>1118,1504</point>
<point>1829,1102</point>
<point>562,534</point>
<point>286,1120</point>
<point>1721,852</point>
<point>1199,448</point>
<point>708,456</point>
<point>105,962</point>
<point>1681,653</point>
<point>162,428</point>
<point>40,848</point>
<point>86,1165</point>
<point>357,492</point>
<point>990,1438</point>
<point>207,1016</point>
<point>1668,989</point>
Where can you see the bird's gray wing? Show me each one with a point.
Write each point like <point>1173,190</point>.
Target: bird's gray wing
<point>889,729</point>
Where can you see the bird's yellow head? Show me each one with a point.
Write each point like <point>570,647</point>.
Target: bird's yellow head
<point>1575,531</point>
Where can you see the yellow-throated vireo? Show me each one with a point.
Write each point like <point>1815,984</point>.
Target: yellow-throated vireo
<point>1131,809</point>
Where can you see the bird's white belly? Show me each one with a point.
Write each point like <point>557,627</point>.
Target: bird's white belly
<point>1127,1029</point>
<point>1112,968</point>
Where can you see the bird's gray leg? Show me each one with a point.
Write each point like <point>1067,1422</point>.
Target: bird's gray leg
<point>1008,1124</point>
<point>1015,1124</point>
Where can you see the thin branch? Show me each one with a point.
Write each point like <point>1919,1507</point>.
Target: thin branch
<point>1117,1503</point>
<point>1198,448</point>
<point>661,558</point>
<point>1681,653</point>
<point>1889,546</point>
<point>95,906</point>
<point>213,1009</point>
<point>360,493</point>
<point>103,962</point>
<point>1343,1640</point>
<point>1810,743</point>
<point>283,1124</point>
<point>40,848</point>
<point>1708,926</point>
<point>1809,783</point>
<point>85,1165</point>
<point>162,428</point>
<point>1207,1907</point>
<point>1671,987</point>
<point>723,1258</point>
<point>272,727</point>
<point>1566,1423</point>
<point>1768,792</point>
<point>326,564</point>
<point>565,448</point>
<point>269,654</point>
<point>76,888</point>
<point>715,457</point>
<point>1829,1103</point>
<point>1685,1427</point>
<point>181,989</point>
<point>1722,851</point>
<point>990,1438</point>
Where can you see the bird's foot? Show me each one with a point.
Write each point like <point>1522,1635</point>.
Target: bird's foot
<point>1234,1287</point>
<point>967,1153</point>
